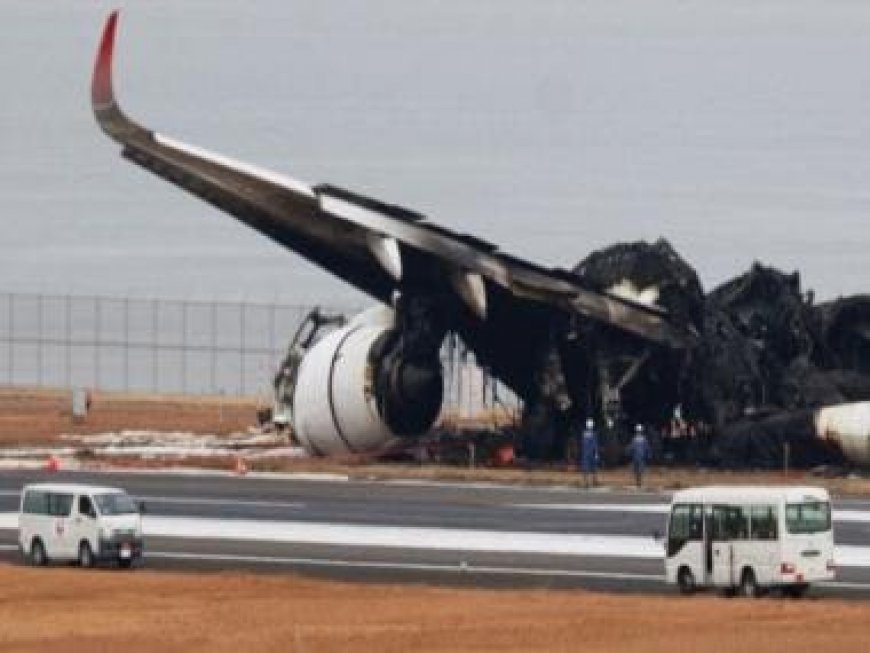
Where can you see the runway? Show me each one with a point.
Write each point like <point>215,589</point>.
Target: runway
<point>472,534</point>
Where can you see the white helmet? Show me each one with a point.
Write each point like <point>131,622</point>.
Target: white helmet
<point>638,428</point>
<point>589,423</point>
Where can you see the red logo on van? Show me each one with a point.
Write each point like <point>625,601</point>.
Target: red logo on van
<point>58,528</point>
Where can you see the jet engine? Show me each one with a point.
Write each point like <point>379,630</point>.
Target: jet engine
<point>359,390</point>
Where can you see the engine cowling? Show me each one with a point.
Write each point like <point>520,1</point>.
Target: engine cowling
<point>355,392</point>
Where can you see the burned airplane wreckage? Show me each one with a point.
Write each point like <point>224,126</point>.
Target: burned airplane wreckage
<point>772,371</point>
<point>627,336</point>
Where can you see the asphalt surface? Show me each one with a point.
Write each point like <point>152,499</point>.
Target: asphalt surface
<point>404,507</point>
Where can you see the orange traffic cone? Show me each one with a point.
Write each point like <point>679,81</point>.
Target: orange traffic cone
<point>52,464</point>
<point>241,467</point>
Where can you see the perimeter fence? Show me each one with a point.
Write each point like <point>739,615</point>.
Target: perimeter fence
<point>165,346</point>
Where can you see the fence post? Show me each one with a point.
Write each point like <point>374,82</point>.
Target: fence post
<point>126,344</point>
<point>68,337</point>
<point>155,308</point>
<point>242,348</point>
<point>39,340</point>
<point>213,358</point>
<point>98,336</point>
<point>184,347</point>
<point>11,298</point>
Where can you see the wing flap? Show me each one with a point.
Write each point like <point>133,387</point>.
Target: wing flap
<point>334,228</point>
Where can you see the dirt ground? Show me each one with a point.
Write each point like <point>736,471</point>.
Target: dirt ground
<point>39,416</point>
<point>66,609</point>
<point>32,416</point>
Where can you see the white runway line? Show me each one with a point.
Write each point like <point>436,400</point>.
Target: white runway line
<point>403,566</point>
<point>438,539</point>
<point>220,502</point>
<point>852,516</point>
<point>441,568</point>
<point>435,539</point>
<point>449,539</point>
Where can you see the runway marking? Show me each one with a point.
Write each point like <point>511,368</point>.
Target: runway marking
<point>851,516</point>
<point>205,501</point>
<point>654,508</point>
<point>410,566</point>
<point>222,502</point>
<point>391,536</point>
<point>434,539</point>
<point>414,566</point>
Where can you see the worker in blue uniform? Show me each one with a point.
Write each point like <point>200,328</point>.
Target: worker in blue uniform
<point>639,451</point>
<point>589,455</point>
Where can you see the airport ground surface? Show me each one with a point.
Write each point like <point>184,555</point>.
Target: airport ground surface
<point>450,534</point>
<point>223,591</point>
<point>77,610</point>
<point>261,562</point>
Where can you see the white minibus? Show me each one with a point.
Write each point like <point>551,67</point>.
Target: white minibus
<point>84,523</point>
<point>750,539</point>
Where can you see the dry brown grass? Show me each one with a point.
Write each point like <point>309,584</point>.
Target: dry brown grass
<point>73,610</point>
<point>37,416</point>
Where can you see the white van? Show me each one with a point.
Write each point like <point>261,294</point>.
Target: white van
<point>750,539</point>
<point>66,522</point>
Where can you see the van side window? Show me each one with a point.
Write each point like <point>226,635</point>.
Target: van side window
<point>86,507</point>
<point>36,503</point>
<point>763,520</point>
<point>59,505</point>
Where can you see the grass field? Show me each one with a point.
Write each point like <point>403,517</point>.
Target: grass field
<point>65,609</point>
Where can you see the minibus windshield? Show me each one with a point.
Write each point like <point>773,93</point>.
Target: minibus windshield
<point>808,517</point>
<point>115,504</point>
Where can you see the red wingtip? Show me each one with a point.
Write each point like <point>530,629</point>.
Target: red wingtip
<point>101,85</point>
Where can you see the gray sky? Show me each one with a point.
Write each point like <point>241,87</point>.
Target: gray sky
<point>738,130</point>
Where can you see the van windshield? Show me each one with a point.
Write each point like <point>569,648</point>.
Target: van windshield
<point>115,504</point>
<point>808,517</point>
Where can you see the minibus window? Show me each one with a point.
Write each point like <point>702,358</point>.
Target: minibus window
<point>696,523</point>
<point>59,505</point>
<point>36,503</point>
<point>808,517</point>
<point>738,523</point>
<point>686,524</point>
<point>115,504</point>
<point>730,523</point>
<point>763,521</point>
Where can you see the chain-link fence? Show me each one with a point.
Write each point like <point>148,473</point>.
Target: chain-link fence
<point>184,347</point>
<point>135,345</point>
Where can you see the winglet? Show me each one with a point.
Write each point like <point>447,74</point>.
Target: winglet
<point>102,95</point>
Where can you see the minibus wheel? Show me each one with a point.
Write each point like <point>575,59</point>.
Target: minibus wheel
<point>748,585</point>
<point>686,581</point>
<point>37,553</point>
<point>86,556</point>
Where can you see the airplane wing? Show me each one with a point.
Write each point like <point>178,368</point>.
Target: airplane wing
<point>377,247</point>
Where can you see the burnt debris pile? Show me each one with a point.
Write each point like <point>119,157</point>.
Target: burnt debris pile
<point>767,358</point>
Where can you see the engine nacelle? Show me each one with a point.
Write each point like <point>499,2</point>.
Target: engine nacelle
<point>355,393</point>
<point>847,426</point>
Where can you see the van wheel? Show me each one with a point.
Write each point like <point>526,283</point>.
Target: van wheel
<point>748,585</point>
<point>37,553</point>
<point>686,581</point>
<point>795,591</point>
<point>86,556</point>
